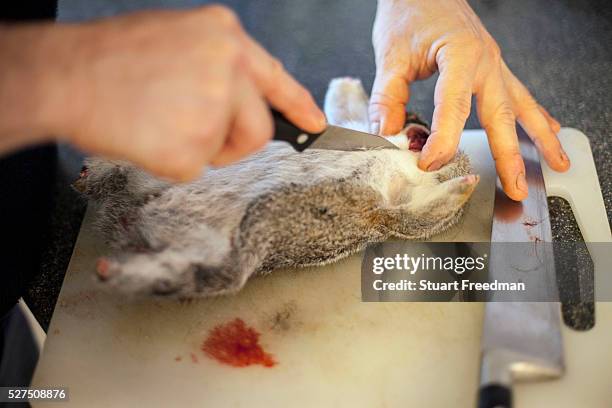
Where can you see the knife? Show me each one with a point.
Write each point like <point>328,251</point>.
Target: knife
<point>332,138</point>
<point>521,341</point>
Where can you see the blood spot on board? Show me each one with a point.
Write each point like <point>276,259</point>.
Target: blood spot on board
<point>237,345</point>
<point>178,358</point>
<point>194,358</point>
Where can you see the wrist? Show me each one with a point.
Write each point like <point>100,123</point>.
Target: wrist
<point>35,84</point>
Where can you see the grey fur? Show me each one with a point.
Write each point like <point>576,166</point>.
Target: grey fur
<point>277,208</point>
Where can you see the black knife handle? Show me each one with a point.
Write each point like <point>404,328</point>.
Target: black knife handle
<point>494,396</point>
<point>287,132</point>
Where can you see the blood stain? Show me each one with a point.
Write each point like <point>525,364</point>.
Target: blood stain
<point>417,137</point>
<point>178,358</point>
<point>237,345</point>
<point>194,358</point>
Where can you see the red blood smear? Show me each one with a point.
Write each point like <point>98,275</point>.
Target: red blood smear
<point>417,138</point>
<point>236,344</point>
<point>194,358</point>
<point>124,221</point>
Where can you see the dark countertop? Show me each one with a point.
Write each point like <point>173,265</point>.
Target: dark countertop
<point>561,50</point>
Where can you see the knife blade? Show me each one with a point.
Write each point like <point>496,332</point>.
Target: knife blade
<point>332,138</point>
<point>521,341</point>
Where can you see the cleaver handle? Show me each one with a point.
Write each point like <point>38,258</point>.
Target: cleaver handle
<point>286,131</point>
<point>494,396</point>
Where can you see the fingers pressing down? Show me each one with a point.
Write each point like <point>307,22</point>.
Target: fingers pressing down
<point>452,104</point>
<point>541,127</point>
<point>498,119</point>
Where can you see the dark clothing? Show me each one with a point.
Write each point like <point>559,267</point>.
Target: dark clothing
<point>27,180</point>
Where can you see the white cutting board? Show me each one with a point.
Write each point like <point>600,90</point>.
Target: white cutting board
<point>331,349</point>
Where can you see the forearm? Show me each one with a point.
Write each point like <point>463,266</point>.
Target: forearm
<point>170,91</point>
<point>413,39</point>
<point>34,66</point>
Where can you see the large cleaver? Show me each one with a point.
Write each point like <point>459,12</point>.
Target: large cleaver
<point>521,341</point>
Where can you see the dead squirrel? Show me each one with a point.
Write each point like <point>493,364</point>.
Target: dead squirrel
<point>275,209</point>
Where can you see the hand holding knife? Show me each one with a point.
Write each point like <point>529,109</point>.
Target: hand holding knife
<point>332,138</point>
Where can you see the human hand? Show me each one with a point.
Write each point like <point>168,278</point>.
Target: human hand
<point>173,91</point>
<point>415,38</point>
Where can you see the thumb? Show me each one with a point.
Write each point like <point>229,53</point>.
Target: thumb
<point>387,110</point>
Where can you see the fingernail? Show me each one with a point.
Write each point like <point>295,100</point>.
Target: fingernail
<point>375,128</point>
<point>521,182</point>
<point>435,165</point>
<point>320,119</point>
<point>564,157</point>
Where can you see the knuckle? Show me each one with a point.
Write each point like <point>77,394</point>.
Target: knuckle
<point>222,15</point>
<point>527,101</point>
<point>460,106</point>
<point>502,114</point>
<point>505,114</point>
<point>296,94</point>
<point>492,49</point>
<point>226,48</point>
<point>463,105</point>
<point>508,157</point>
<point>276,67</point>
<point>472,45</point>
<point>377,108</point>
<point>381,99</point>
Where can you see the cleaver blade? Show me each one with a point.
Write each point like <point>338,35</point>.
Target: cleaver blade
<point>521,341</point>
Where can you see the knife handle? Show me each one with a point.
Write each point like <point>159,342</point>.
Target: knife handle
<point>494,396</point>
<point>287,132</point>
